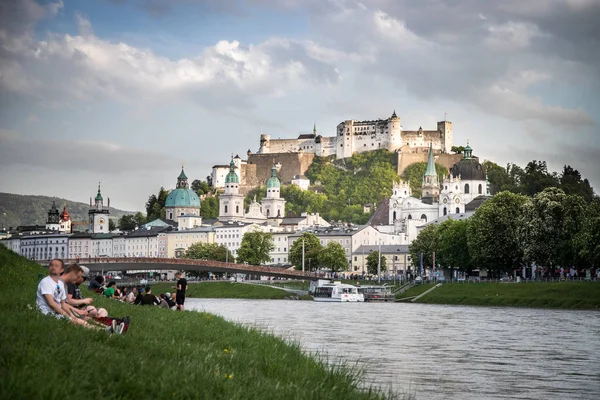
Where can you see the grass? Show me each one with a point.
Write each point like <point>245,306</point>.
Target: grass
<point>224,290</point>
<point>164,355</point>
<point>415,290</point>
<point>568,295</point>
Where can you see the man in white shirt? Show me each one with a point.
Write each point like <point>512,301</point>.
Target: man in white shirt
<point>51,293</point>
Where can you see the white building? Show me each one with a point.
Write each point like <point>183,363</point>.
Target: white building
<point>143,242</point>
<point>102,245</point>
<point>230,234</point>
<point>80,245</point>
<point>219,172</point>
<point>44,247</point>
<point>301,181</point>
<point>354,136</point>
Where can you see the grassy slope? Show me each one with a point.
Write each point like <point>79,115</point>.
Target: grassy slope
<point>573,295</point>
<point>415,290</point>
<point>165,354</point>
<point>224,290</point>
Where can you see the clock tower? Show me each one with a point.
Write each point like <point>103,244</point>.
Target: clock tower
<point>98,214</point>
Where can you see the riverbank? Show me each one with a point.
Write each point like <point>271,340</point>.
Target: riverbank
<point>565,295</point>
<point>224,290</point>
<point>164,354</point>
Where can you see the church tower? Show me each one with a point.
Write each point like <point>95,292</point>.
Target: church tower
<point>98,214</point>
<point>65,221</point>
<point>53,222</point>
<point>231,203</point>
<point>431,186</point>
<point>400,191</point>
<point>273,205</point>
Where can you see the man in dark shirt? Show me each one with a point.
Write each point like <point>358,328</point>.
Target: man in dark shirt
<point>181,288</point>
<point>74,296</point>
<point>147,299</point>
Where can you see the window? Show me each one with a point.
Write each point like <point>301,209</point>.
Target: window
<point>424,217</point>
<point>225,209</point>
<point>237,209</point>
<point>394,216</point>
<point>457,210</point>
<point>445,211</point>
<point>466,188</point>
<point>409,216</point>
<point>480,189</point>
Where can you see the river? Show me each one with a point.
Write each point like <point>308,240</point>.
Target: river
<point>441,352</point>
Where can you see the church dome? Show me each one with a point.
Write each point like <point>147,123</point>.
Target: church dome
<point>273,181</point>
<point>182,197</point>
<point>232,177</point>
<point>64,215</point>
<point>468,168</point>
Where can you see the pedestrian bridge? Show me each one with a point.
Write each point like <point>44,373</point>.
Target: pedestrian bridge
<point>97,264</point>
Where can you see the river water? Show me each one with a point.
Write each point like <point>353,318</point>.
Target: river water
<point>441,352</point>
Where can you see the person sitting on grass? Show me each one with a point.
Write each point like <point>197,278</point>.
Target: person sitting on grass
<point>166,301</point>
<point>110,291</point>
<point>51,294</point>
<point>147,299</point>
<point>74,296</point>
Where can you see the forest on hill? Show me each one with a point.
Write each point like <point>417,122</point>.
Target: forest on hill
<point>16,209</point>
<point>341,188</point>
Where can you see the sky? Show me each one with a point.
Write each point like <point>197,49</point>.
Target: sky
<point>124,92</point>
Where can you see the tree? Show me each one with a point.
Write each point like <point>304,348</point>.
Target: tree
<point>571,183</point>
<point>333,257</point>
<point>312,249</point>
<point>210,207</point>
<point>127,223</point>
<point>587,241</point>
<point>373,261</point>
<point>414,174</point>
<point>452,245</point>
<point>426,242</point>
<point>208,251</point>
<point>457,149</point>
<point>139,218</point>
<point>200,187</point>
<point>551,220</point>
<point>492,235</point>
<point>256,247</point>
<point>537,178</point>
<point>155,206</point>
<point>498,177</point>
<point>111,224</point>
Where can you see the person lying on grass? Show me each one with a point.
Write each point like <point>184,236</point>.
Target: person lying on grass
<point>51,294</point>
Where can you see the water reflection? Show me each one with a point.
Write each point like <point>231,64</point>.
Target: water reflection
<point>442,352</point>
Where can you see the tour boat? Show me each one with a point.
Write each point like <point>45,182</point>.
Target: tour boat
<point>336,292</point>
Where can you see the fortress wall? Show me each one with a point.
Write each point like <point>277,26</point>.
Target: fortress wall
<point>283,145</point>
<point>291,164</point>
<point>406,159</point>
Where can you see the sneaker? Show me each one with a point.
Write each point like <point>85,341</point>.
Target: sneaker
<point>114,325</point>
<point>108,329</point>
<point>120,328</point>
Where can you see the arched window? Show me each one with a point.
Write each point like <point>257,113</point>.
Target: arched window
<point>424,217</point>
<point>237,209</point>
<point>457,210</point>
<point>466,188</point>
<point>225,209</point>
<point>409,216</point>
<point>268,213</point>
<point>171,215</point>
<point>445,211</point>
<point>394,216</point>
<point>480,189</point>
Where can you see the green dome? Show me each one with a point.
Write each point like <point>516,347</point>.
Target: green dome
<point>273,181</point>
<point>232,177</point>
<point>182,198</point>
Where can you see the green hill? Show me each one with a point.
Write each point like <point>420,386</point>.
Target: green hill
<point>16,209</point>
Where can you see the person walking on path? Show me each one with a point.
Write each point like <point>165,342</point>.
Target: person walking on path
<point>181,288</point>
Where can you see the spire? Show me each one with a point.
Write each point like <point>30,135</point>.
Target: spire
<point>315,129</point>
<point>430,163</point>
<point>232,176</point>
<point>394,114</point>
<point>182,180</point>
<point>99,195</point>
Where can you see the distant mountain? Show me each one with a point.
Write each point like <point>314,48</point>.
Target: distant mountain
<point>16,209</point>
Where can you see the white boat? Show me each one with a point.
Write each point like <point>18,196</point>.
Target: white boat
<point>336,292</point>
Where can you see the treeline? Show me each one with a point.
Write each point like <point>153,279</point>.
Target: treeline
<point>550,229</point>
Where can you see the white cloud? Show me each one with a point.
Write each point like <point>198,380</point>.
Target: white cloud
<point>511,35</point>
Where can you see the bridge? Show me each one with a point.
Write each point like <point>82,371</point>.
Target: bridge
<point>97,264</point>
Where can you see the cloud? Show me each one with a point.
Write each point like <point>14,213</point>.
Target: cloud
<point>78,155</point>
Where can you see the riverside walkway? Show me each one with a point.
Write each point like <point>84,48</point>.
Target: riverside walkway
<point>97,264</point>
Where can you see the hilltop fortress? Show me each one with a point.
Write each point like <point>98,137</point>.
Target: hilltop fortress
<point>362,136</point>
<point>293,157</point>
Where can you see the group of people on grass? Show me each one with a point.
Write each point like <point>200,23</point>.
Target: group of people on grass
<point>59,295</point>
<point>142,295</point>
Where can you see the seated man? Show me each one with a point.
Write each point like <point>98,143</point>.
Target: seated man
<point>51,293</point>
<point>147,299</point>
<point>74,296</point>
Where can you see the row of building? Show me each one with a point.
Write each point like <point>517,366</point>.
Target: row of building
<point>394,225</point>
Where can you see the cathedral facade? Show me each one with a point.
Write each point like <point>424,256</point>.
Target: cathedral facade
<point>465,181</point>
<point>363,136</point>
